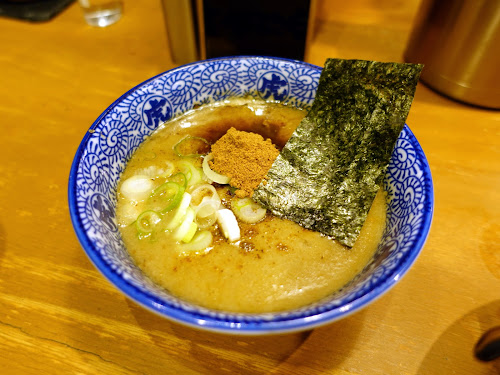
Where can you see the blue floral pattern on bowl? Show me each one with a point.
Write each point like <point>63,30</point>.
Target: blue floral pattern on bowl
<point>117,133</point>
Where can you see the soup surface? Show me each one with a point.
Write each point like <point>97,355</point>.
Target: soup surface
<point>276,264</point>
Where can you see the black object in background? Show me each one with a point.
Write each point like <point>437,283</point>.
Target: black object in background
<point>257,27</point>
<point>35,10</point>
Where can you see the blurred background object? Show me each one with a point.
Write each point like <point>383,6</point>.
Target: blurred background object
<point>181,24</point>
<point>488,347</point>
<point>459,43</point>
<point>200,29</point>
<point>32,10</point>
<point>101,13</point>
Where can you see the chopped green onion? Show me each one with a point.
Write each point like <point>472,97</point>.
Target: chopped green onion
<point>200,242</point>
<point>166,196</point>
<point>190,233</point>
<point>180,178</point>
<point>147,221</point>
<point>193,174</point>
<point>212,175</point>
<point>228,224</point>
<point>203,192</point>
<point>248,210</point>
<point>183,229</point>
<point>191,146</point>
<point>169,169</point>
<point>206,213</point>
<point>136,187</point>
<point>205,201</point>
<point>180,212</point>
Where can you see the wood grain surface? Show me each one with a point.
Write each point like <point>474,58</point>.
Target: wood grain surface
<point>59,315</point>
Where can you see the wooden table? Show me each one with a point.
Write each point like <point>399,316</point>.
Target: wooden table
<point>58,315</point>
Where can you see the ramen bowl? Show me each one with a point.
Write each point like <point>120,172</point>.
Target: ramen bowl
<point>120,129</point>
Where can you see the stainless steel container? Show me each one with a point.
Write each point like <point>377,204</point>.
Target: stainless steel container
<point>459,43</point>
<point>201,29</point>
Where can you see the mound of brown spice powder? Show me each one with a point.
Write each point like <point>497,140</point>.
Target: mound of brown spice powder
<point>245,158</point>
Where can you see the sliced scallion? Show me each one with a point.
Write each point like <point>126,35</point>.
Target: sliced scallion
<point>203,192</point>
<point>146,221</point>
<point>228,224</point>
<point>206,213</point>
<point>183,229</point>
<point>211,174</point>
<point>180,178</point>
<point>192,173</point>
<point>167,196</point>
<point>200,243</point>
<point>180,212</point>
<point>136,187</point>
<point>247,210</point>
<point>190,233</point>
<point>191,146</point>
<point>168,170</point>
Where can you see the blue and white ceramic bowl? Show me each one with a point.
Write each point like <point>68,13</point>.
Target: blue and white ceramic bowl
<point>115,135</point>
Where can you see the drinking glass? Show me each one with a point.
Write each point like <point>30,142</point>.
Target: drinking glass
<point>101,13</point>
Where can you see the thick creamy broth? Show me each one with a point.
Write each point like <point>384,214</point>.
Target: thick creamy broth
<point>277,264</point>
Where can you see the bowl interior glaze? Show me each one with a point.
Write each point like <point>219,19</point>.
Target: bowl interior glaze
<point>116,134</point>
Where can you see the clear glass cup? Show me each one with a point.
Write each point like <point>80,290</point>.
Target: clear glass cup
<point>101,13</point>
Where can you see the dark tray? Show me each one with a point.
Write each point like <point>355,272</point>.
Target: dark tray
<point>32,10</point>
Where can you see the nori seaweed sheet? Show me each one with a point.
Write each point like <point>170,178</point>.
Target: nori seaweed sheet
<point>330,170</point>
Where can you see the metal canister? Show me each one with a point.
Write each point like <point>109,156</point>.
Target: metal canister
<point>459,43</point>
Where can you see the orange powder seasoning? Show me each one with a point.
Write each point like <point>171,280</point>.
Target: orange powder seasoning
<point>245,158</point>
